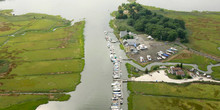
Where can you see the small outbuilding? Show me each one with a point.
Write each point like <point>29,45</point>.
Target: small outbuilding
<point>150,37</point>
<point>177,71</point>
<point>131,42</point>
<point>123,33</point>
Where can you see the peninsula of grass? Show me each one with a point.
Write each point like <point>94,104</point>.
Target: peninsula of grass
<point>172,96</point>
<point>28,102</point>
<point>21,102</point>
<point>11,24</point>
<point>39,54</point>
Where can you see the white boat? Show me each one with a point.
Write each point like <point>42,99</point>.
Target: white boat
<point>116,76</point>
<point>173,49</point>
<point>168,53</point>
<point>116,92</point>
<point>115,97</point>
<point>111,56</point>
<point>116,89</point>
<point>105,32</point>
<point>115,83</point>
<point>163,57</point>
<point>149,57</point>
<point>159,58</point>
<point>113,41</point>
<point>142,59</point>
<point>108,45</point>
<point>118,95</point>
<point>115,107</point>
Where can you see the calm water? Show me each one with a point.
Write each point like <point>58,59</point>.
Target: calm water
<point>94,91</point>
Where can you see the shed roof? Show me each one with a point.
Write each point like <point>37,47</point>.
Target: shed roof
<point>176,69</point>
<point>180,73</point>
<point>123,33</point>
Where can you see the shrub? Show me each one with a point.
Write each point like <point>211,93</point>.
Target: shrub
<point>146,71</point>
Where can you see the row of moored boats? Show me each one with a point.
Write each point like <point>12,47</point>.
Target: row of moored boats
<point>117,97</point>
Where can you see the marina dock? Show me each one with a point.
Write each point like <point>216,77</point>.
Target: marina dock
<point>117,84</point>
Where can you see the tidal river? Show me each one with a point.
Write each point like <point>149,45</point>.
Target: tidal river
<point>94,92</point>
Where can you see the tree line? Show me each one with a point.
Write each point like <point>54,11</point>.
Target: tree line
<point>156,25</point>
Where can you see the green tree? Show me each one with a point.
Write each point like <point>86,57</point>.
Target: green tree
<point>130,22</point>
<point>172,35</point>
<point>181,33</point>
<point>181,65</point>
<point>179,77</point>
<point>146,71</point>
<point>139,25</point>
<point>159,26</point>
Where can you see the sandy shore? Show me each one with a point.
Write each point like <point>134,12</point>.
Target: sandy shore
<point>162,77</point>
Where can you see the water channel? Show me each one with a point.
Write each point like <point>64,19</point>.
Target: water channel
<point>94,92</point>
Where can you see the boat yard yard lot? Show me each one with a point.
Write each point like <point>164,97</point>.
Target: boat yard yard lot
<point>153,47</point>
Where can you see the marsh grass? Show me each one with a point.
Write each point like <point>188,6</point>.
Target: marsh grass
<point>46,52</point>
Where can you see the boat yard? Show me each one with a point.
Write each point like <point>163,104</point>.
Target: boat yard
<point>144,49</point>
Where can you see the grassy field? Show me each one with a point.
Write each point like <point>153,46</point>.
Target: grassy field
<point>46,67</point>
<point>4,66</point>
<point>190,58</point>
<point>141,102</point>
<point>22,101</point>
<point>42,83</point>
<point>194,90</point>
<point>45,55</point>
<point>28,102</point>
<point>52,54</point>
<point>216,72</point>
<point>164,96</point>
<point>29,22</point>
<point>2,40</point>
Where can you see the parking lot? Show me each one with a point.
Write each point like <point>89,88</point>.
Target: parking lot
<point>153,47</point>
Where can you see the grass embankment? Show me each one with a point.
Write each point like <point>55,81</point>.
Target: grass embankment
<point>190,58</point>
<point>172,96</point>
<point>133,71</point>
<point>41,59</point>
